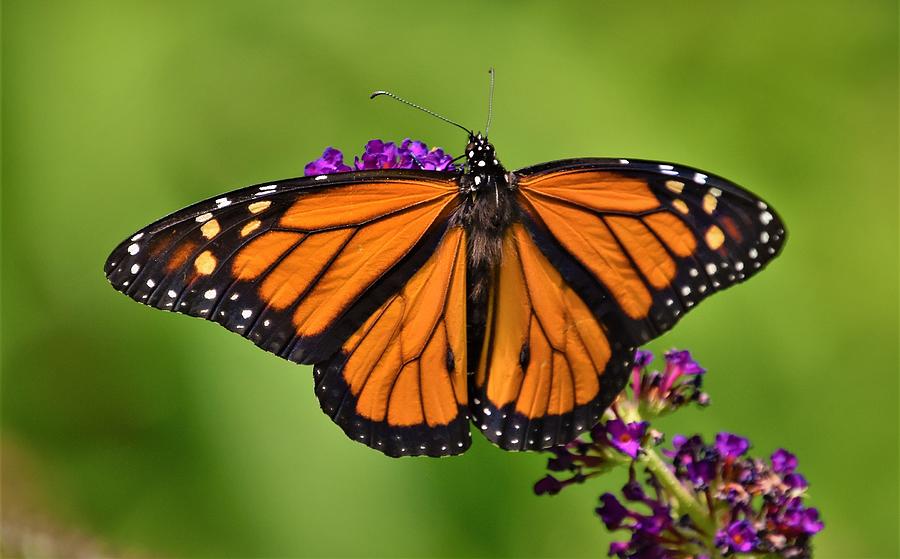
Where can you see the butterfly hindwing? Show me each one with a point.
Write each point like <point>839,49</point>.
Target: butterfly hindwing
<point>549,367</point>
<point>295,266</point>
<point>398,384</point>
<point>644,242</point>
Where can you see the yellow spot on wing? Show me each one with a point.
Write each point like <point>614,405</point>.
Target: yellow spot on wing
<point>257,207</point>
<point>205,263</point>
<point>210,229</point>
<point>709,203</point>
<point>680,206</point>
<point>714,237</point>
<point>250,227</point>
<point>675,186</point>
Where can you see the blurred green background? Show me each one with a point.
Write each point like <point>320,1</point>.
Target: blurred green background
<point>152,434</point>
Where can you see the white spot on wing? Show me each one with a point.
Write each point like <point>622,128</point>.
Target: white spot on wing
<point>135,268</point>
<point>222,202</point>
<point>246,313</point>
<point>700,178</point>
<point>211,294</point>
<point>137,237</point>
<point>172,293</point>
<point>319,178</point>
<point>202,218</point>
<point>150,283</point>
<point>133,249</point>
<point>624,161</point>
<point>765,218</point>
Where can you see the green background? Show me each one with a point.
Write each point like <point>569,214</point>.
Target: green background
<point>164,436</point>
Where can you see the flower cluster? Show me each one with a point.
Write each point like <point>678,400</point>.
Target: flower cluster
<point>661,392</point>
<point>410,154</point>
<point>697,499</point>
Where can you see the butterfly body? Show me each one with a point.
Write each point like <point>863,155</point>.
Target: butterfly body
<point>430,300</point>
<point>487,211</point>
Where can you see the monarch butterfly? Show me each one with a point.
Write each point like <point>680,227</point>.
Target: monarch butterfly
<point>427,299</point>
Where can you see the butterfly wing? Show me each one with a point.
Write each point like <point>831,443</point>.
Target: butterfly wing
<point>643,242</point>
<point>608,255</point>
<point>295,266</point>
<point>548,367</point>
<point>398,384</point>
<point>316,270</point>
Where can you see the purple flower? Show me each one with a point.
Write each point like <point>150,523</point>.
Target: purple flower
<point>796,482</point>
<point>411,154</point>
<point>731,446</point>
<point>679,363</point>
<point>416,155</point>
<point>748,504</point>
<point>548,485</point>
<point>611,511</point>
<point>619,549</point>
<point>626,438</point>
<point>377,155</point>
<point>642,358</point>
<point>783,462</point>
<point>332,161</point>
<point>738,537</point>
<point>794,518</point>
<point>683,363</point>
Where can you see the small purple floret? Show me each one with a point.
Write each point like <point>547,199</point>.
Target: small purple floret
<point>738,537</point>
<point>626,438</point>
<point>783,462</point>
<point>611,511</point>
<point>332,161</point>
<point>731,446</point>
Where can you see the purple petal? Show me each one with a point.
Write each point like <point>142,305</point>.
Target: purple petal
<point>626,438</point>
<point>731,446</point>
<point>611,511</point>
<point>642,358</point>
<point>783,462</point>
<point>548,485</point>
<point>332,161</point>
<point>618,549</point>
<point>738,537</point>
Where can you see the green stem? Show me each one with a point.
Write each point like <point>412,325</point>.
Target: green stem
<point>686,502</point>
<point>651,459</point>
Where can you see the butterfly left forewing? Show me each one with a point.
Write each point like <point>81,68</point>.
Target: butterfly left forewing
<point>642,241</point>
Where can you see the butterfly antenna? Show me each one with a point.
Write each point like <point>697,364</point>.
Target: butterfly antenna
<point>487,127</point>
<point>421,108</point>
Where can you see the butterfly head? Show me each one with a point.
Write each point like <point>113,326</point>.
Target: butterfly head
<point>481,159</point>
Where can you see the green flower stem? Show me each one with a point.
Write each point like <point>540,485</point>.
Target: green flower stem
<point>651,459</point>
<point>686,502</point>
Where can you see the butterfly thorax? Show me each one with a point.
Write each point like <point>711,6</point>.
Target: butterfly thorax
<point>488,209</point>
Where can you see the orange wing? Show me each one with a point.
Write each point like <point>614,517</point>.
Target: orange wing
<point>548,368</point>
<point>643,242</point>
<point>399,382</point>
<point>295,266</point>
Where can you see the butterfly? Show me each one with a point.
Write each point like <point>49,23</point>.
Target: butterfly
<point>428,300</point>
